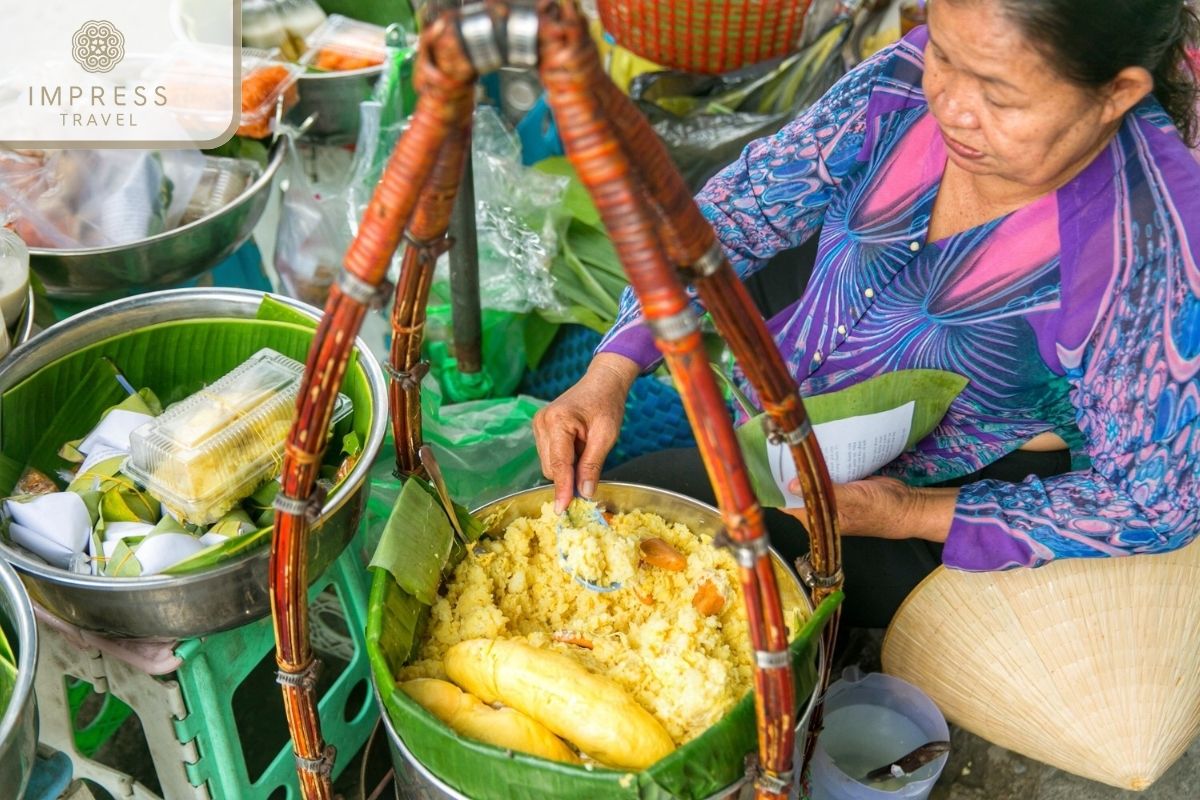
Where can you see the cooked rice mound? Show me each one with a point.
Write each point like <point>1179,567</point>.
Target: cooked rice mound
<point>685,668</point>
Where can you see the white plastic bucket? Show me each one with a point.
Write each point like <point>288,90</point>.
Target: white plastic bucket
<point>870,721</point>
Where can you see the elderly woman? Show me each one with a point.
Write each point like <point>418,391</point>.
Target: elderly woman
<point>1007,194</point>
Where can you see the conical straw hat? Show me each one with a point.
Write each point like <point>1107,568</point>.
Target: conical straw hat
<point>1092,666</point>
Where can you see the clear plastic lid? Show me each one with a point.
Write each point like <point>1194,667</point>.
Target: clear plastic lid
<point>209,451</point>
<point>198,83</point>
<point>265,79</point>
<point>222,181</point>
<point>280,24</point>
<point>343,44</point>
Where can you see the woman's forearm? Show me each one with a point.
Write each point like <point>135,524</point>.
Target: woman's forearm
<point>891,510</point>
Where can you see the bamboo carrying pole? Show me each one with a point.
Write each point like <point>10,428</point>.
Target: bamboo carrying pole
<point>443,109</point>
<point>655,228</point>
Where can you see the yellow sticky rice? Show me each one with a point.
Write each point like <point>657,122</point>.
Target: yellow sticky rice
<point>591,551</point>
<point>686,669</point>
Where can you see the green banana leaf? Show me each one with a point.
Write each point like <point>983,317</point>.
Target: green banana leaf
<point>8,673</point>
<point>78,408</point>
<point>576,202</point>
<point>125,503</point>
<point>123,563</point>
<point>709,763</point>
<point>931,391</point>
<point>64,400</point>
<point>10,474</point>
<point>168,524</point>
<point>235,523</point>
<point>94,478</point>
<point>416,543</point>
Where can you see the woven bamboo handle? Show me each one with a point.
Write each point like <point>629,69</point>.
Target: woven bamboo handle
<point>590,119</point>
<point>427,239</point>
<point>609,146</point>
<point>443,109</point>
<point>691,243</point>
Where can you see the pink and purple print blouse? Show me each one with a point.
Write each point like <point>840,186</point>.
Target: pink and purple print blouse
<point>1078,314</point>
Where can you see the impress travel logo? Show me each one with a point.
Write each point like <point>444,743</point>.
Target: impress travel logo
<point>121,73</point>
<point>98,46</point>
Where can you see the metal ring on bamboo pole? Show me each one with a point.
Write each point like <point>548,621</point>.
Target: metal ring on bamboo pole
<point>522,30</point>
<point>478,32</point>
<point>675,327</point>
<point>709,263</point>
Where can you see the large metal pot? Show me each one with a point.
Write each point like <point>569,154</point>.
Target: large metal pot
<point>228,595</point>
<point>161,261</point>
<point>18,722</point>
<point>416,782</point>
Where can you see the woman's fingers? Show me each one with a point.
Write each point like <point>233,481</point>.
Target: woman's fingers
<point>600,438</point>
<point>584,420</point>
<point>555,438</point>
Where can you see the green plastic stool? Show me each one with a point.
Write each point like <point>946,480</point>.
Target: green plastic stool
<point>109,717</point>
<point>215,663</point>
<point>183,696</point>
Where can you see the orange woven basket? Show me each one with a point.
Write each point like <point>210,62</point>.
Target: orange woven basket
<point>707,36</point>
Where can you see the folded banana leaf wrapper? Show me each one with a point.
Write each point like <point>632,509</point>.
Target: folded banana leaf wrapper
<point>62,401</point>
<point>416,553</point>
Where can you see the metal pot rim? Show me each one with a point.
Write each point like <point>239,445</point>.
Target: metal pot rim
<point>195,299</point>
<point>26,627</point>
<point>377,69</point>
<point>278,151</point>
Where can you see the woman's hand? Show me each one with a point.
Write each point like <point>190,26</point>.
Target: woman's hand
<point>888,509</point>
<point>583,422</point>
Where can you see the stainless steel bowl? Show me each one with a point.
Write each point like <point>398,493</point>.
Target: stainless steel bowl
<point>415,781</point>
<point>160,261</point>
<point>228,595</point>
<point>18,722</point>
<point>334,98</point>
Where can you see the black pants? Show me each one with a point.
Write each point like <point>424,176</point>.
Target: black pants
<point>880,573</point>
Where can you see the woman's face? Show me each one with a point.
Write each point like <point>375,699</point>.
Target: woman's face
<point>1002,109</point>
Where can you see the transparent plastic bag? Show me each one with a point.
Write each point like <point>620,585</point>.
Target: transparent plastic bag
<point>67,199</point>
<point>513,203</point>
<point>514,224</point>
<point>312,237</point>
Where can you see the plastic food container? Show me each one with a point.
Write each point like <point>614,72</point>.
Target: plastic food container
<point>265,80</point>
<point>282,24</point>
<point>222,182</point>
<point>14,276</point>
<point>207,452</point>
<point>343,44</point>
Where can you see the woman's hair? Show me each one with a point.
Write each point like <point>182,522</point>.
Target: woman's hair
<point>1090,41</point>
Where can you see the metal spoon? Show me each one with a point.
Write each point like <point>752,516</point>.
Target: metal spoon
<point>435,474</point>
<point>909,763</point>
<point>597,519</point>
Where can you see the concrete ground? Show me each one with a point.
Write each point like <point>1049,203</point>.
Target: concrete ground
<point>979,770</point>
